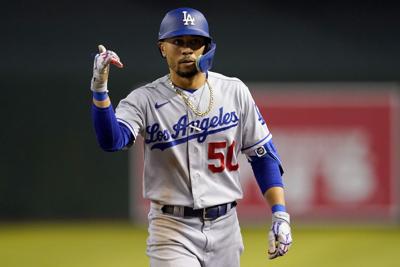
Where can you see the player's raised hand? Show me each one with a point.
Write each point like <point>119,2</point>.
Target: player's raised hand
<point>101,68</point>
<point>280,236</point>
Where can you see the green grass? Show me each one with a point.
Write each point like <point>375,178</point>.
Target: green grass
<point>123,245</point>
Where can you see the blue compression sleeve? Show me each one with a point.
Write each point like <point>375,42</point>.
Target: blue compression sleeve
<point>267,168</point>
<point>111,135</point>
<point>267,172</point>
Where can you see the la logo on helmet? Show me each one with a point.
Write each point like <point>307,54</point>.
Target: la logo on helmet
<point>187,18</point>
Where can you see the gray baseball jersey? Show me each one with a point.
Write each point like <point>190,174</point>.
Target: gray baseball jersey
<point>192,160</point>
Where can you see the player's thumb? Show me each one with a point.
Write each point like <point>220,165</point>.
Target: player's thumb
<point>101,48</point>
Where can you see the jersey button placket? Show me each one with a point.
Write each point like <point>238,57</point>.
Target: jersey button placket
<point>195,188</point>
<point>195,167</point>
<point>191,166</point>
<point>193,160</point>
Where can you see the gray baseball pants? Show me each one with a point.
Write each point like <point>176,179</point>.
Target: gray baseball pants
<point>193,242</point>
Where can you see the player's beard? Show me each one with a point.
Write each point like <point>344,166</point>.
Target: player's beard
<point>187,73</point>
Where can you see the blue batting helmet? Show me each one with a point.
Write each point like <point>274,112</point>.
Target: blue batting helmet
<point>183,21</point>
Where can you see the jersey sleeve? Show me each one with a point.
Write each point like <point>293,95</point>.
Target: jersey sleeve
<point>130,112</point>
<point>255,132</point>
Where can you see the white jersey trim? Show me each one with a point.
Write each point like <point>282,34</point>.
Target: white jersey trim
<point>266,139</point>
<point>129,126</point>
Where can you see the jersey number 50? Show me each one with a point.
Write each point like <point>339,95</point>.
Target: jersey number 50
<point>213,154</point>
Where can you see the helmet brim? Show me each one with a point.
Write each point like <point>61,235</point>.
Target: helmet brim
<point>184,32</point>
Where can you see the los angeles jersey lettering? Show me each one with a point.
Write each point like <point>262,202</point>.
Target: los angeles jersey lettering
<point>194,155</point>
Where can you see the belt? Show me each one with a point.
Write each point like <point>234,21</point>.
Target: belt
<point>210,213</point>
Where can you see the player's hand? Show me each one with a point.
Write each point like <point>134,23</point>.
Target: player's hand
<point>280,236</point>
<point>101,68</point>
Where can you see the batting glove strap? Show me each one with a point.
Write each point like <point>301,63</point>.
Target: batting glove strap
<point>280,216</point>
<point>98,85</point>
<point>279,236</point>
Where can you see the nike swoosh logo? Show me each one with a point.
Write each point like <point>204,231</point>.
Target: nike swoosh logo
<point>160,105</point>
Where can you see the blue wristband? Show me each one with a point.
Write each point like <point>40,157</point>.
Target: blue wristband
<point>278,207</point>
<point>100,96</point>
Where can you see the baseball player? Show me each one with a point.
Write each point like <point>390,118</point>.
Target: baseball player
<point>194,123</point>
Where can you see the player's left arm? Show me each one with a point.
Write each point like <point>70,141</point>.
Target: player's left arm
<point>264,159</point>
<point>268,172</point>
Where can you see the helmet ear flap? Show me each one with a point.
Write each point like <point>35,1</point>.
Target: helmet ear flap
<point>208,46</point>
<point>204,62</point>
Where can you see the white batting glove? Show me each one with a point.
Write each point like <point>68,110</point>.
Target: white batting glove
<point>101,68</point>
<point>280,236</point>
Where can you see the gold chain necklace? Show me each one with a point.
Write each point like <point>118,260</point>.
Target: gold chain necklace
<point>189,103</point>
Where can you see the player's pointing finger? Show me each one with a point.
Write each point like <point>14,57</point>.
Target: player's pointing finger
<point>101,48</point>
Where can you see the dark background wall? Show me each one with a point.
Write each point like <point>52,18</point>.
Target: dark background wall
<point>50,165</point>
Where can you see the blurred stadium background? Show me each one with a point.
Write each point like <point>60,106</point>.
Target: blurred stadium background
<point>325,75</point>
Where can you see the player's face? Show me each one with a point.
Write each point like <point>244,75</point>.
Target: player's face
<point>181,53</point>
